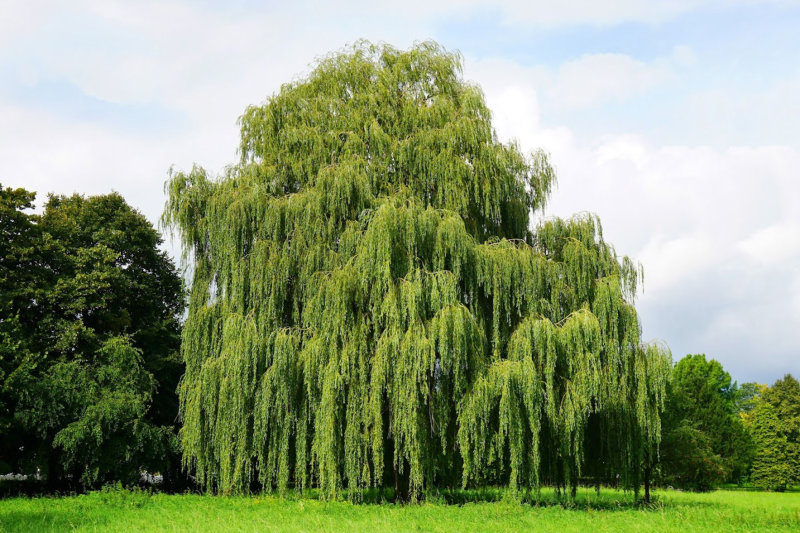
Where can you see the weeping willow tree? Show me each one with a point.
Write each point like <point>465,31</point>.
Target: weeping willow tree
<point>372,307</point>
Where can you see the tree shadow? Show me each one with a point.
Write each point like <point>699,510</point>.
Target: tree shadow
<point>607,499</point>
<point>586,499</point>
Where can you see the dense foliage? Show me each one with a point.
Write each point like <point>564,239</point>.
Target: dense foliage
<point>705,440</point>
<point>370,305</point>
<point>89,335</point>
<point>775,425</point>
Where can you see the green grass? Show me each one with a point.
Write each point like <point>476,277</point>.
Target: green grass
<point>610,511</point>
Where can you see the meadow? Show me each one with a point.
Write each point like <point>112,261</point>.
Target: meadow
<point>121,510</point>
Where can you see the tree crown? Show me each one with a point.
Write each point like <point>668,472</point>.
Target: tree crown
<point>368,297</point>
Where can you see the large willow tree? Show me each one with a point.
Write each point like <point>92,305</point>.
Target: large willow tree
<point>371,306</point>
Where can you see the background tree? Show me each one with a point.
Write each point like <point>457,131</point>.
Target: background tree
<point>18,273</point>
<point>747,397</point>
<point>371,307</point>
<point>775,424</point>
<point>688,458</point>
<point>705,441</point>
<point>90,341</point>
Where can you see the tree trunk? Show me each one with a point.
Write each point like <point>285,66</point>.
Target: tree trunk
<point>573,484</point>
<point>394,470</point>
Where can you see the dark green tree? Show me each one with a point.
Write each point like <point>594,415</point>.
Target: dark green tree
<point>702,421</point>
<point>688,459</point>
<point>775,425</point>
<point>19,271</point>
<point>90,336</point>
<point>371,306</point>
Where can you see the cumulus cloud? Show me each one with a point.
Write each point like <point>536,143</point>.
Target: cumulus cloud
<point>578,83</point>
<point>774,244</point>
<point>597,77</point>
<point>717,239</point>
<point>715,228</point>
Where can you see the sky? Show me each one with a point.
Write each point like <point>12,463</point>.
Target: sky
<point>676,121</point>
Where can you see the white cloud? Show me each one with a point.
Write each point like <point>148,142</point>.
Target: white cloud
<point>694,216</point>
<point>732,113</point>
<point>548,14</point>
<point>716,228</point>
<point>577,84</point>
<point>774,244</point>
<point>669,262</point>
<point>599,77</point>
<point>46,154</point>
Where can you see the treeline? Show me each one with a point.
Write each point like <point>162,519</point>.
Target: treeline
<point>716,431</point>
<point>90,313</point>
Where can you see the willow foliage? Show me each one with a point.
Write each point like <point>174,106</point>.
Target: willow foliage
<point>370,303</point>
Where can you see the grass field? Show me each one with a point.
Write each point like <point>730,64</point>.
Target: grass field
<point>115,510</point>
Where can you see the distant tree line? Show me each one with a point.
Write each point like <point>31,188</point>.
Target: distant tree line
<point>716,431</point>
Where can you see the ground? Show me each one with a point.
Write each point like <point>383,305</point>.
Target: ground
<point>117,510</point>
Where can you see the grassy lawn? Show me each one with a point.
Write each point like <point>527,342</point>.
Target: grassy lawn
<point>723,510</point>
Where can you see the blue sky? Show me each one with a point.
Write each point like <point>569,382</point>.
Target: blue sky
<point>677,121</point>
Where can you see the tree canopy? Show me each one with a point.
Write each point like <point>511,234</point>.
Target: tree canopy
<point>89,337</point>
<point>371,306</point>
<point>775,425</point>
